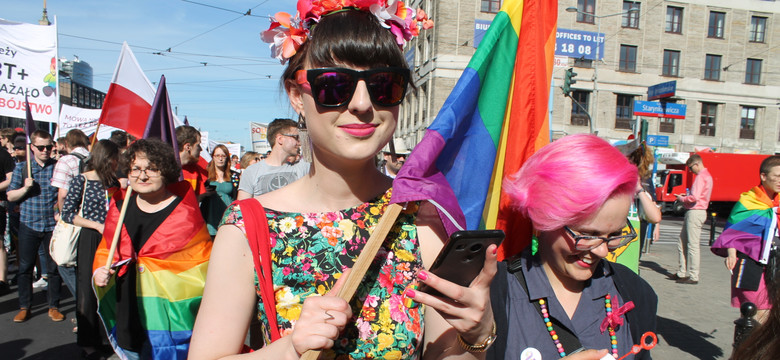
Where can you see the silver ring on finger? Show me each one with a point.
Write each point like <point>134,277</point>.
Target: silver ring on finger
<point>328,316</point>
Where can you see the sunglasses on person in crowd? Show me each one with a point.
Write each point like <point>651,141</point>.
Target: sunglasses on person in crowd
<point>334,87</point>
<point>44,147</point>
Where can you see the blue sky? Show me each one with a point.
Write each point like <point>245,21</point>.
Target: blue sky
<point>238,84</point>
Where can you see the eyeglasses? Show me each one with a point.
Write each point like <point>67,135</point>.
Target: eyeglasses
<point>44,147</point>
<point>221,156</point>
<point>292,136</point>
<point>334,87</point>
<point>614,241</point>
<point>18,147</point>
<point>150,172</point>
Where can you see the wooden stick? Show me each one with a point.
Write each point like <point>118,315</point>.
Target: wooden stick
<point>29,160</point>
<point>364,261</point>
<point>94,136</point>
<point>118,230</point>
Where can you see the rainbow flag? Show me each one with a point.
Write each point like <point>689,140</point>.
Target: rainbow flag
<point>750,227</point>
<point>171,273</point>
<point>495,118</point>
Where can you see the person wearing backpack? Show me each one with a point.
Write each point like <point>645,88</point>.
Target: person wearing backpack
<point>68,167</point>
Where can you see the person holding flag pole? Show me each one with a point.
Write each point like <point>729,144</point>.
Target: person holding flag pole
<point>150,267</point>
<point>346,77</point>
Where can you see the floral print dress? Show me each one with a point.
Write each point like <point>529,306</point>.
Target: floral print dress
<point>309,252</point>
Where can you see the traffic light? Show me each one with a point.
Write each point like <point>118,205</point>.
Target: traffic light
<point>568,81</point>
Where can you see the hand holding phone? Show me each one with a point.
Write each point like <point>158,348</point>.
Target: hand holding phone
<point>462,257</point>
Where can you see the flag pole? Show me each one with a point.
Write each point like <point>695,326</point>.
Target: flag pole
<point>29,166</point>
<point>118,229</point>
<point>95,135</point>
<point>367,255</point>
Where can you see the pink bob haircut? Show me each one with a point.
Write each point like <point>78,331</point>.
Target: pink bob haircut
<point>567,181</point>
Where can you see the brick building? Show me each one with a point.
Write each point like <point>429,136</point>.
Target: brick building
<point>724,56</point>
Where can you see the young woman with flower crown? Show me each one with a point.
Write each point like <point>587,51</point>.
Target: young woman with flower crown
<point>346,77</point>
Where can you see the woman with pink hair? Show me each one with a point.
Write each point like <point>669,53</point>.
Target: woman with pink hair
<point>559,297</point>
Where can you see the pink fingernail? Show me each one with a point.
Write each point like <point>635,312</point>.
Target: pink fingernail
<point>409,293</point>
<point>422,275</point>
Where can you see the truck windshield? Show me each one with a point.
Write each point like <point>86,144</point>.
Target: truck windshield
<point>674,181</point>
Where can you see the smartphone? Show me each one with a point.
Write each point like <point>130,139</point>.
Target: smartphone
<point>462,257</point>
<point>209,186</point>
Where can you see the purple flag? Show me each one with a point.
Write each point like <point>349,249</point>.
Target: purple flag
<point>29,124</point>
<point>160,123</point>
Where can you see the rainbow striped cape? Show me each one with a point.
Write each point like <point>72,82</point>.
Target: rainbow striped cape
<point>750,227</point>
<point>171,273</point>
<point>495,118</point>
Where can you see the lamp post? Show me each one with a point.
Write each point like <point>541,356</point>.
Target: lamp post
<point>598,47</point>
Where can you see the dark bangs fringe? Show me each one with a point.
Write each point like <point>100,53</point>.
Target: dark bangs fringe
<point>354,38</point>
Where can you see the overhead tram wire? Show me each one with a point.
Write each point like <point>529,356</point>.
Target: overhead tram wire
<point>156,50</point>
<point>248,13</point>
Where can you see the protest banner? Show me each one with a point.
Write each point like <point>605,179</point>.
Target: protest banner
<point>28,67</point>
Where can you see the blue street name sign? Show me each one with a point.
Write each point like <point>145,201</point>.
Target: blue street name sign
<point>657,109</point>
<point>657,140</point>
<point>579,44</point>
<point>662,90</point>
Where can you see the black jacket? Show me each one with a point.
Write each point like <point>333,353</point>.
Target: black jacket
<point>630,286</point>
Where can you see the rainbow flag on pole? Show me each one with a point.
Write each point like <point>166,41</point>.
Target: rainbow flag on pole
<point>171,274</point>
<point>750,227</point>
<point>495,118</point>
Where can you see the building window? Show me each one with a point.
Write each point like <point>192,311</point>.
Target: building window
<point>747,125</point>
<point>712,67</point>
<point>753,71</point>
<point>491,6</point>
<point>671,63</point>
<point>586,7</point>
<point>631,19</point>
<point>709,113</point>
<point>666,125</point>
<point>579,115</point>
<point>674,19</point>
<point>624,111</point>
<point>717,22</point>
<point>627,58</point>
<point>757,28</point>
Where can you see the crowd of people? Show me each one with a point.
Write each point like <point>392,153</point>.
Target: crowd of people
<point>182,258</point>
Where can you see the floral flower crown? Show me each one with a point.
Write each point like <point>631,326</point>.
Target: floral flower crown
<point>287,34</point>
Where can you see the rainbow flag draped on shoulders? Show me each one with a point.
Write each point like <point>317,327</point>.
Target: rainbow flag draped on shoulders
<point>171,274</point>
<point>495,118</point>
<point>750,227</point>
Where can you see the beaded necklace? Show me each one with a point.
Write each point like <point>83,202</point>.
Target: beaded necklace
<point>554,335</point>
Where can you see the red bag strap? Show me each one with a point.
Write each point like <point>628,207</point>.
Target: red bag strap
<point>256,226</point>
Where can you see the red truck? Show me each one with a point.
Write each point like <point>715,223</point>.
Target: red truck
<point>732,174</point>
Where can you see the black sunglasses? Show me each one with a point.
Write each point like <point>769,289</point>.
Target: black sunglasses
<point>44,147</point>
<point>334,87</point>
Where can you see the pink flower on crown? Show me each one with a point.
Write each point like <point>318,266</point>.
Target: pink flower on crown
<point>285,36</point>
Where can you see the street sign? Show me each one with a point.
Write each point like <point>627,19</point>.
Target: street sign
<point>657,140</point>
<point>480,29</point>
<point>658,109</point>
<point>662,90</point>
<point>579,44</point>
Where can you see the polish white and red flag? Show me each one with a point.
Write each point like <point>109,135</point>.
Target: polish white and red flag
<point>130,96</point>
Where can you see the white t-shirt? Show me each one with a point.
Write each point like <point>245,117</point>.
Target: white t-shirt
<point>260,178</point>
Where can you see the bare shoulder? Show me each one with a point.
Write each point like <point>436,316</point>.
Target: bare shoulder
<point>430,232</point>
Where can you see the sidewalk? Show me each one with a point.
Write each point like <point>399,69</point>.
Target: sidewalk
<point>694,321</point>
